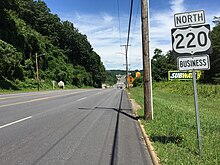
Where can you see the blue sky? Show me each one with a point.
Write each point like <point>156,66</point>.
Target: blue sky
<point>99,20</point>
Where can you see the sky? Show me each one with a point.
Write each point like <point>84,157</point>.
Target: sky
<point>105,23</point>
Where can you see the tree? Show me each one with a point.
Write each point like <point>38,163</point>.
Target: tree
<point>216,20</point>
<point>111,78</point>
<point>213,75</point>
<point>10,66</point>
<point>161,64</point>
<point>29,27</point>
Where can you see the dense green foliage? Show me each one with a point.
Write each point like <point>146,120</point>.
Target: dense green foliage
<point>117,72</point>
<point>10,61</point>
<point>173,130</point>
<point>28,27</point>
<point>161,64</point>
<point>138,81</point>
<point>213,75</point>
<point>111,78</point>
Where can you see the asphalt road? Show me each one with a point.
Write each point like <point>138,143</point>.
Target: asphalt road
<point>70,127</point>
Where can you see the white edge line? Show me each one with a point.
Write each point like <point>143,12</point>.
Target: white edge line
<point>82,99</point>
<point>15,122</point>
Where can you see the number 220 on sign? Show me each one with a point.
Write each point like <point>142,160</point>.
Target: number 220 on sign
<point>191,40</point>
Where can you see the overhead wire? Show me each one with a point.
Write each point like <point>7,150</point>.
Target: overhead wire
<point>129,26</point>
<point>135,21</point>
<point>119,21</point>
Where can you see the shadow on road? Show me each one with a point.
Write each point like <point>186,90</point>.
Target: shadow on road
<point>119,111</point>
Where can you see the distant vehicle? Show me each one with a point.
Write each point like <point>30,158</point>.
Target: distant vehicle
<point>119,86</point>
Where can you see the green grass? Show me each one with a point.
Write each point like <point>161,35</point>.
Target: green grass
<point>30,85</point>
<point>173,130</point>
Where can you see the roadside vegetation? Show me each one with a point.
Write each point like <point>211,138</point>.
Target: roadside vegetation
<point>30,85</point>
<point>28,31</point>
<point>173,130</point>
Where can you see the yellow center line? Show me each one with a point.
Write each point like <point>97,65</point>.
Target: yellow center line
<point>34,100</point>
<point>9,97</point>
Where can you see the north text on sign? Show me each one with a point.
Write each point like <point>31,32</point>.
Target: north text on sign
<point>189,18</point>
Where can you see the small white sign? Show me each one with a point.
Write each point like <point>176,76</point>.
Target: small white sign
<point>189,18</point>
<point>193,63</point>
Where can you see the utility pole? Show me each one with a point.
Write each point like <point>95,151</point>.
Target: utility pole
<point>146,61</point>
<point>37,78</point>
<point>126,60</point>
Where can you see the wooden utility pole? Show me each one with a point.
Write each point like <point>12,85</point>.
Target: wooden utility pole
<point>146,61</point>
<point>37,78</point>
<point>126,60</point>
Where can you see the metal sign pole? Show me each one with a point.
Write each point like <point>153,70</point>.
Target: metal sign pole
<point>187,48</point>
<point>197,114</point>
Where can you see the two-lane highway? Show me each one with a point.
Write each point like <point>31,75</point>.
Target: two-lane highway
<point>70,127</point>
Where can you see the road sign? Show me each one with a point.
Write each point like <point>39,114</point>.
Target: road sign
<point>193,63</point>
<point>191,40</point>
<point>189,18</point>
<point>130,80</point>
<point>138,75</point>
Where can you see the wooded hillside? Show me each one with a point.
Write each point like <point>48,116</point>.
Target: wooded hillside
<point>28,27</point>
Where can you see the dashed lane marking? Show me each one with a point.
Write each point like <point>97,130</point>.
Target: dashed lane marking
<point>15,122</point>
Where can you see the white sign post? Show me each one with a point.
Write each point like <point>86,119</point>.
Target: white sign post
<point>197,114</point>
<point>192,40</point>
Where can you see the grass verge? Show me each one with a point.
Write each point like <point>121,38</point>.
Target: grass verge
<point>30,85</point>
<point>173,130</point>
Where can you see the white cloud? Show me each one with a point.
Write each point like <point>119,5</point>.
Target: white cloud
<point>102,31</point>
<point>107,18</point>
<point>177,6</point>
<point>161,23</point>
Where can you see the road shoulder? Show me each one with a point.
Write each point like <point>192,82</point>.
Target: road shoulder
<point>154,157</point>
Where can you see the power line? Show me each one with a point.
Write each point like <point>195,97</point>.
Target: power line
<point>129,26</point>
<point>119,21</point>
<point>135,21</point>
<point>126,47</point>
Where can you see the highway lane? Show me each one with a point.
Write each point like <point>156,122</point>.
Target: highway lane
<point>5,100</point>
<point>69,127</point>
<point>26,104</point>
